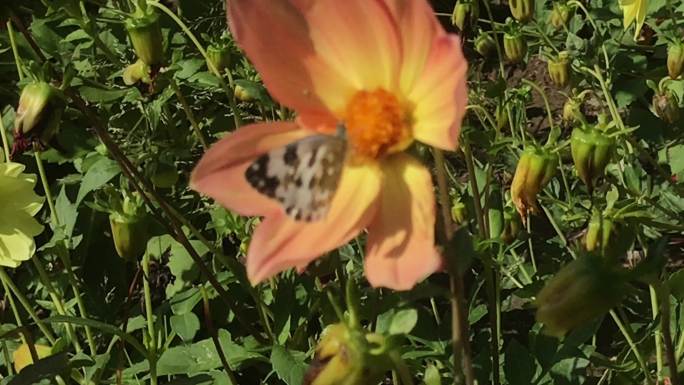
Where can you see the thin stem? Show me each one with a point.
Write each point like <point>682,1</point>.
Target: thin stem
<point>231,95</point>
<point>555,133</point>
<point>5,142</point>
<point>15,50</point>
<point>64,253</point>
<point>15,312</point>
<point>149,315</point>
<point>533,259</point>
<point>214,336</point>
<point>401,369</point>
<point>664,294</point>
<point>7,281</point>
<point>189,114</point>
<point>463,365</point>
<point>657,334</point>
<point>627,334</point>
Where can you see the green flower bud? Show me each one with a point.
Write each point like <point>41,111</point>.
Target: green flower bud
<point>515,47</point>
<point>572,110</point>
<point>459,212</point>
<point>128,223</point>
<point>464,12</point>
<point>485,44</point>
<point>219,56</point>
<point>599,233</point>
<point>558,69</point>
<point>130,237</point>
<point>138,71</point>
<point>246,91</point>
<point>666,106</point>
<point>535,169</point>
<point>512,225</point>
<point>522,10</point>
<point>584,289</point>
<point>675,59</point>
<point>39,115</point>
<point>591,151</point>
<point>342,358</point>
<point>560,15</point>
<point>146,36</point>
<point>501,117</point>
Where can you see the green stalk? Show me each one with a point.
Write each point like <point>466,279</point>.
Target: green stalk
<point>64,254</point>
<point>7,281</point>
<point>463,363</point>
<point>664,295</point>
<point>5,142</point>
<point>149,315</point>
<point>15,50</point>
<point>189,114</point>
<point>627,334</point>
<point>231,95</point>
<point>15,313</point>
<point>657,334</point>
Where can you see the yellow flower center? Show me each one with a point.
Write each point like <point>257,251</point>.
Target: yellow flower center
<point>377,124</point>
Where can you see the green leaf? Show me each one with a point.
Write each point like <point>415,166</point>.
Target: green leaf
<point>44,369</point>
<point>186,326</point>
<point>676,284</point>
<point>288,365</point>
<point>100,95</point>
<point>403,321</point>
<point>97,175</point>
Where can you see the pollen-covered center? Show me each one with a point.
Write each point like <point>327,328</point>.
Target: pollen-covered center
<point>377,124</point>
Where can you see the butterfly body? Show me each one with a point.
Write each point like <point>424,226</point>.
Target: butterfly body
<point>302,176</point>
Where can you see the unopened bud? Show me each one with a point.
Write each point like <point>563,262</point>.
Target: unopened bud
<point>39,115</point>
<point>535,169</point>
<point>138,71</point>
<point>675,59</point>
<point>515,47</point>
<point>522,10</point>
<point>560,15</point>
<point>485,44</point>
<point>219,57</point>
<point>146,36</point>
<point>584,289</point>
<point>459,212</point>
<point>591,151</point>
<point>666,106</point>
<point>559,69</point>
<point>130,228</point>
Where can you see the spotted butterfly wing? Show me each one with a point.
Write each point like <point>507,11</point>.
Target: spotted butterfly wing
<point>302,176</point>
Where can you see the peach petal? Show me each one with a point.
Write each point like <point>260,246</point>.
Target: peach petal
<point>275,37</point>
<point>220,174</point>
<point>280,243</point>
<point>359,40</point>
<point>401,247</point>
<point>440,95</point>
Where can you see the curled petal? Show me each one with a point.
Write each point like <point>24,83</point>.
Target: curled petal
<point>280,243</point>
<point>275,37</point>
<point>359,39</point>
<point>220,174</point>
<point>401,246</point>
<point>440,95</point>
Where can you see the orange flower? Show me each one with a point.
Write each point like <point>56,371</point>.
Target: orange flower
<point>386,70</point>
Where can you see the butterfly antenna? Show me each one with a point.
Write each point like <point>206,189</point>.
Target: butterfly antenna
<point>341,131</point>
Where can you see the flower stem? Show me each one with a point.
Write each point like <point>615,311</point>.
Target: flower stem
<point>627,334</point>
<point>7,281</point>
<point>657,334</point>
<point>64,253</point>
<point>149,315</point>
<point>214,336</point>
<point>189,114</point>
<point>15,50</point>
<point>663,292</point>
<point>231,95</point>
<point>463,364</point>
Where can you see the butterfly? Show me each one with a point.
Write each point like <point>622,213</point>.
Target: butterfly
<point>303,175</point>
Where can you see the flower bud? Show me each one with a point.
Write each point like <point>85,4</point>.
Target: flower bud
<point>515,47</point>
<point>591,151</point>
<point>572,110</point>
<point>522,10</point>
<point>535,169</point>
<point>501,117</point>
<point>675,59</point>
<point>341,359</point>
<point>464,12</point>
<point>485,44</point>
<point>666,106</point>
<point>512,225</point>
<point>459,212</point>
<point>146,36</point>
<point>584,289</point>
<point>598,236</point>
<point>246,91</point>
<point>560,15</point>
<point>219,57</point>
<point>39,115</point>
<point>129,228</point>
<point>22,356</point>
<point>558,69</point>
<point>138,71</point>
